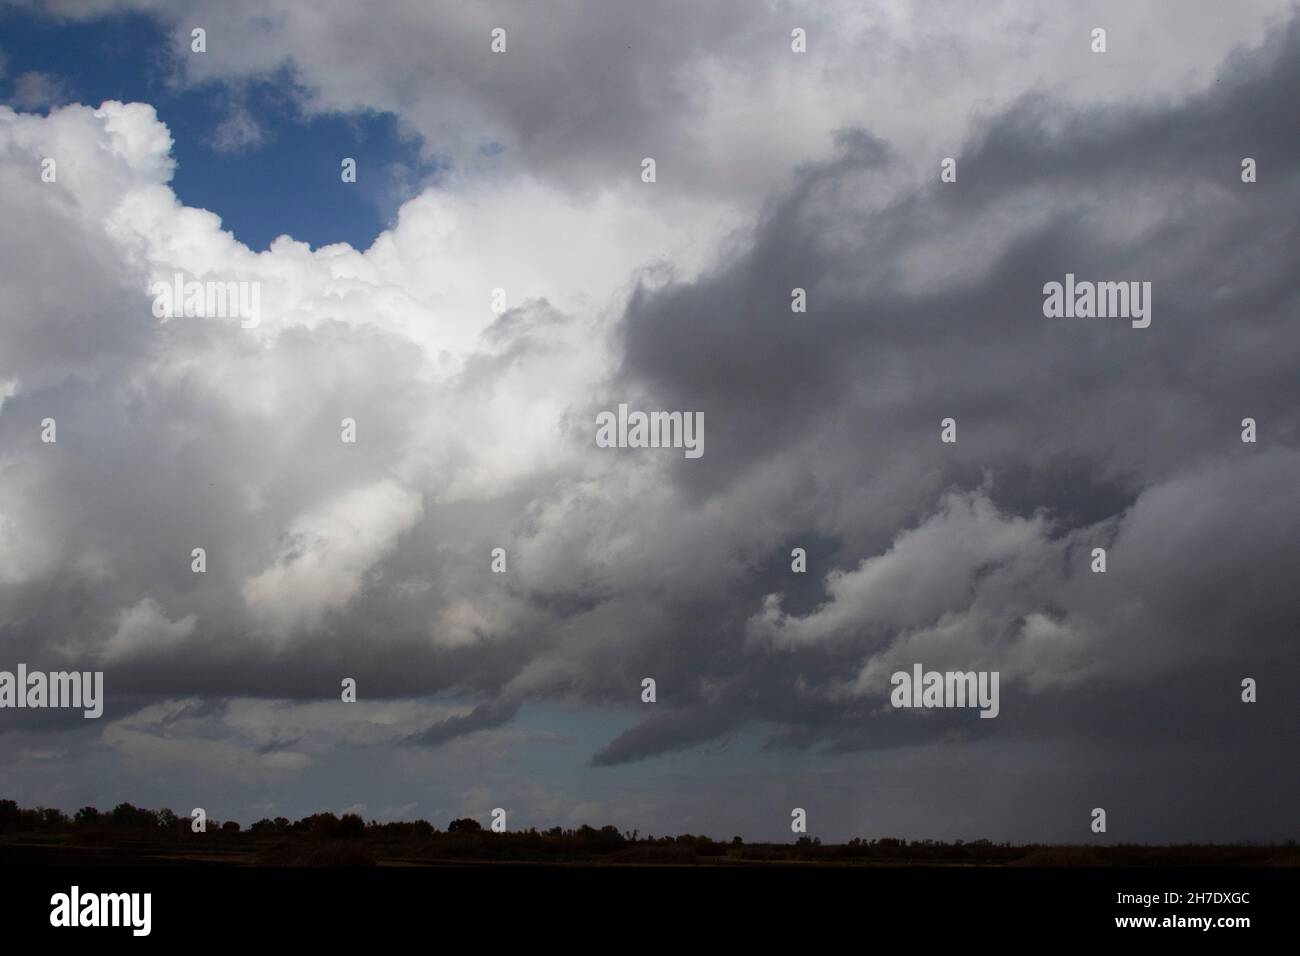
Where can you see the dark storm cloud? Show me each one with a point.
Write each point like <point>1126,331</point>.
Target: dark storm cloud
<point>1077,418</point>
<point>482,717</point>
<point>675,730</point>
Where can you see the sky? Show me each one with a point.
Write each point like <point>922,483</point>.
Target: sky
<point>500,272</point>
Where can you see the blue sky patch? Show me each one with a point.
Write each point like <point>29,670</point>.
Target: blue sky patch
<point>244,151</point>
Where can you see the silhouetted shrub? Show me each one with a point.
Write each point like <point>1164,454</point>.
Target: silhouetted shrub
<point>319,824</point>
<point>51,817</point>
<point>128,816</point>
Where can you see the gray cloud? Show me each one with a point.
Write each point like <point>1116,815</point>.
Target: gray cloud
<point>482,717</point>
<point>36,91</point>
<point>927,304</point>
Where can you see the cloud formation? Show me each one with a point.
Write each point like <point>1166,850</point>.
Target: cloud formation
<point>475,429</point>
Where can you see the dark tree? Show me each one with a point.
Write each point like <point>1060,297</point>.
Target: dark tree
<point>53,817</point>
<point>128,815</point>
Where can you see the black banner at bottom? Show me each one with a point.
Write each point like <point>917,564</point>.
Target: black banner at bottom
<point>501,903</point>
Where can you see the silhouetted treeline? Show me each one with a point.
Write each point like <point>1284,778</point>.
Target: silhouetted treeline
<point>324,839</point>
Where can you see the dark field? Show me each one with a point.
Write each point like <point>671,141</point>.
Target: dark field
<point>132,836</point>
